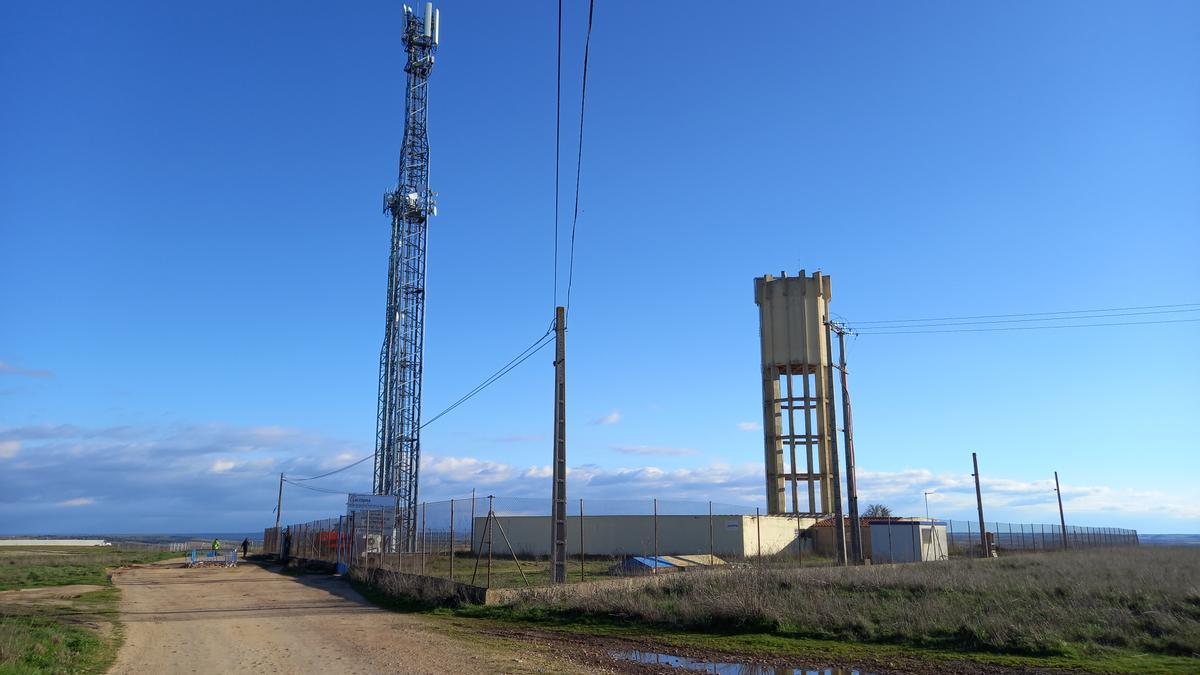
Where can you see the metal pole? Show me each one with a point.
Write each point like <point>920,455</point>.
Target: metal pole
<point>1062,519</point>
<point>758,531</point>
<point>711,550</point>
<point>848,433</point>
<point>979,503</point>
<point>558,535</point>
<point>655,568</point>
<point>581,549</point>
<point>451,540</point>
<point>473,520</point>
<point>926,505</point>
<point>423,542</point>
<point>487,529</point>
<point>799,542</point>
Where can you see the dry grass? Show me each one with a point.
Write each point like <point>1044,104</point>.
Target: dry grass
<point>1144,599</point>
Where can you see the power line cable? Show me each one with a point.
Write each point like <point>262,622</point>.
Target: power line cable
<point>587,47</point>
<point>535,347</point>
<point>1029,314</point>
<point>1034,319</point>
<point>1010,328</point>
<point>348,466</point>
<point>315,489</point>
<point>517,360</point>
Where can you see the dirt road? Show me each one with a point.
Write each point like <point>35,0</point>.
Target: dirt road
<point>251,620</point>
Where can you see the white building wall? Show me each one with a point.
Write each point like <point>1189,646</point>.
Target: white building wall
<point>908,541</point>
<point>734,536</point>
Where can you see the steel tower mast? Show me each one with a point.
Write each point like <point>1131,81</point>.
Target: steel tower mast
<point>398,426</point>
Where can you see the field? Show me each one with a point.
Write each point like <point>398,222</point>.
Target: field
<point>1099,609</point>
<point>66,620</point>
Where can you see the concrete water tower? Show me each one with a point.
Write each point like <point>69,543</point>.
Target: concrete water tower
<point>798,414</point>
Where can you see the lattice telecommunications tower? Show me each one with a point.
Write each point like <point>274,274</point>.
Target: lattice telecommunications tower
<point>398,427</point>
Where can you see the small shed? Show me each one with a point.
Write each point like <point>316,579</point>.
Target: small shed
<point>901,540</point>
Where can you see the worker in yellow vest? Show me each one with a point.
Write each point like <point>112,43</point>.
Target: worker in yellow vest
<point>216,545</point>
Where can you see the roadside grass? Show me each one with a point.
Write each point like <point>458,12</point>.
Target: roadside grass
<point>68,633</point>
<point>22,567</point>
<point>1112,610</point>
<point>506,574</point>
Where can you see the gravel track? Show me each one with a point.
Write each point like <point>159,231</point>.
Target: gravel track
<point>248,619</point>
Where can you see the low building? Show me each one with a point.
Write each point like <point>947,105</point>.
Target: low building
<point>734,536</point>
<point>901,540</point>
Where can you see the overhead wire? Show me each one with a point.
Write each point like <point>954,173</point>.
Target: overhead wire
<point>587,46</point>
<point>330,473</point>
<point>314,488</point>
<point>538,344</point>
<point>1029,319</point>
<point>1012,328</point>
<point>1029,314</point>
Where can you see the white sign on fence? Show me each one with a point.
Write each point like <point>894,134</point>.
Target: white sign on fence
<point>356,502</point>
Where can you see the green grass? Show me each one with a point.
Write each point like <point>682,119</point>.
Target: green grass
<point>79,634</point>
<point>506,574</point>
<point>1102,610</point>
<point>22,567</point>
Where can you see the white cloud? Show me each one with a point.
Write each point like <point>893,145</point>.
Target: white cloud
<point>9,449</point>
<point>955,494</point>
<point>78,501</point>
<point>652,450</point>
<point>223,466</point>
<point>749,426</point>
<point>611,418</point>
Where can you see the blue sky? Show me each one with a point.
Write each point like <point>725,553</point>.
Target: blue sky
<point>193,256</point>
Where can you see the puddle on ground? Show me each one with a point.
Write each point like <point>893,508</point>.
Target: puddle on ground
<point>719,668</point>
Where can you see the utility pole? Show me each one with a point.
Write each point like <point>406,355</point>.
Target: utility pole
<point>1062,520</point>
<point>979,503</point>
<point>926,493</point>
<point>558,535</point>
<point>848,431</point>
<point>279,502</point>
<point>839,522</point>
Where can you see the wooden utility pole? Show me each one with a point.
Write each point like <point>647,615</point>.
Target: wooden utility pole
<point>279,502</point>
<point>839,522</point>
<point>856,554</point>
<point>979,503</point>
<point>558,536</point>
<point>1062,520</point>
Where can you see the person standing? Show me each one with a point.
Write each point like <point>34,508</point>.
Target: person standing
<point>216,545</point>
<point>245,547</point>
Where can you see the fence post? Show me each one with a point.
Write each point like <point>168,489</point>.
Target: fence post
<point>758,533</point>
<point>916,532</point>
<point>423,542</point>
<point>800,543</point>
<point>655,568</point>
<point>581,541</point>
<point>451,540</point>
<point>710,534</point>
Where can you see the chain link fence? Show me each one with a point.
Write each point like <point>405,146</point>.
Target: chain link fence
<point>965,540</point>
<point>506,541</point>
